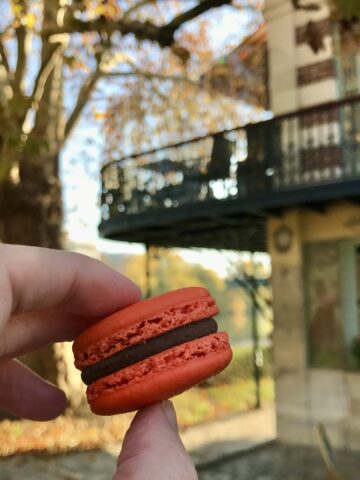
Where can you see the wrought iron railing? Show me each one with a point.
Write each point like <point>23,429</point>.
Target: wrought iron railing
<point>308,148</point>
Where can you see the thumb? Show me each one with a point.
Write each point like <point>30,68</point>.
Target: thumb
<point>152,448</point>
<point>25,394</point>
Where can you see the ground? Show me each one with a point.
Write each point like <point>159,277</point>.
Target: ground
<point>234,448</point>
<point>270,462</point>
<point>195,407</point>
<point>208,442</point>
<point>279,462</point>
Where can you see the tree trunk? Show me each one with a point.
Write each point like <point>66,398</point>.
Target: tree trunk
<point>30,194</point>
<point>31,209</point>
<point>31,214</point>
<point>31,206</point>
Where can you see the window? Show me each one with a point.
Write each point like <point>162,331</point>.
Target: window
<point>347,57</point>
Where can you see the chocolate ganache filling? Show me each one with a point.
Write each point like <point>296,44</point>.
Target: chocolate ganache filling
<point>154,345</point>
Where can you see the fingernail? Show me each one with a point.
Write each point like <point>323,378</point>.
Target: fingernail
<point>170,413</point>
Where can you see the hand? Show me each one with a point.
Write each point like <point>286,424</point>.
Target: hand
<point>152,448</point>
<point>48,296</point>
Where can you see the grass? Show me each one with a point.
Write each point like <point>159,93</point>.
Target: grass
<point>230,392</point>
<point>200,405</point>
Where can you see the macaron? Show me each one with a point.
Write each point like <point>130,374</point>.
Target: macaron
<point>151,351</point>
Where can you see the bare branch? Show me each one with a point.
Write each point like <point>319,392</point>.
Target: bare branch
<point>169,101</point>
<point>83,97</point>
<point>90,83</point>
<point>21,58</point>
<point>4,59</point>
<point>132,9</point>
<point>163,35</point>
<point>44,72</point>
<point>309,7</point>
<point>141,30</point>
<point>184,17</point>
<point>21,35</point>
<point>46,68</point>
<point>152,76</point>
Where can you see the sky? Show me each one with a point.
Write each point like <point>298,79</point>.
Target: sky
<point>80,169</point>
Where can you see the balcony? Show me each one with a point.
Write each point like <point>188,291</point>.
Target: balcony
<point>216,191</point>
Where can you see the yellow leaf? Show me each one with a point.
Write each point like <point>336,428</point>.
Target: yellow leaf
<point>29,20</point>
<point>99,115</point>
<point>16,9</point>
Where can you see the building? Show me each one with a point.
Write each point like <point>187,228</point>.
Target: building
<point>289,186</point>
<point>315,250</point>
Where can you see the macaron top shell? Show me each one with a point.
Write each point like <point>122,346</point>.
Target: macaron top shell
<point>141,321</point>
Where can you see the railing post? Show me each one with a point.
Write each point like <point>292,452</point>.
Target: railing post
<point>255,338</point>
<point>147,271</point>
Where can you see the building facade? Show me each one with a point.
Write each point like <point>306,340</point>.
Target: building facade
<point>315,252</point>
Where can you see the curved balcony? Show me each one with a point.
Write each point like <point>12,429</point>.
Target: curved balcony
<point>216,190</point>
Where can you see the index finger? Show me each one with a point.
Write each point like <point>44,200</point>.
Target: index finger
<point>34,278</point>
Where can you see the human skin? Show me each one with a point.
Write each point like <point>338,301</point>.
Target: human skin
<point>49,296</point>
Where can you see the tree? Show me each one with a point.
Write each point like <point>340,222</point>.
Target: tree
<point>44,45</point>
<point>53,56</point>
<point>177,96</point>
<point>175,100</point>
<point>169,271</point>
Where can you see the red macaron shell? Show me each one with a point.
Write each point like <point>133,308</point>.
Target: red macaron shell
<point>141,321</point>
<point>158,376</point>
<point>204,358</point>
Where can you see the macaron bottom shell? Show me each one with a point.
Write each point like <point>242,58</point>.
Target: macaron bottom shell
<point>161,376</point>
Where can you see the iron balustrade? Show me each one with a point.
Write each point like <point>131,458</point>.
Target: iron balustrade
<point>312,147</point>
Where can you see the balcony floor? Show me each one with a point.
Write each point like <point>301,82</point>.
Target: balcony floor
<point>236,223</point>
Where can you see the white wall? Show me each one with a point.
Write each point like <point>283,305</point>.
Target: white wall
<point>285,57</point>
<point>279,17</point>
